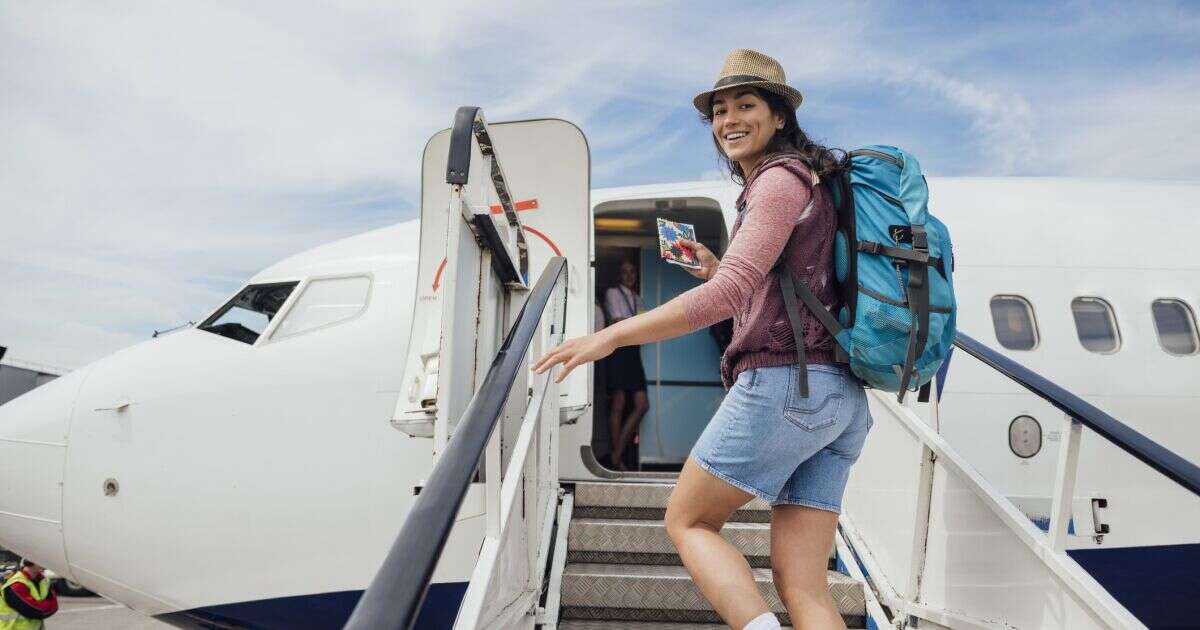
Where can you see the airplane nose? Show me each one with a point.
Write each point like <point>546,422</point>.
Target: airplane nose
<point>33,449</point>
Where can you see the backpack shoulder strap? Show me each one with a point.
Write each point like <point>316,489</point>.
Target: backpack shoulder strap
<point>826,318</point>
<point>793,289</point>
<point>918,300</point>
<point>793,314</point>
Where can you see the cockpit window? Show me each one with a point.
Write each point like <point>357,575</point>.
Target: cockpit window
<point>324,302</point>
<point>247,315</point>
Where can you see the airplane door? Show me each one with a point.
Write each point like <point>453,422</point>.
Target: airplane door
<point>547,165</point>
<point>683,374</point>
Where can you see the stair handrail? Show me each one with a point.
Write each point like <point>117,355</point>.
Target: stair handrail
<point>395,595</point>
<point>1128,439</point>
<point>900,588</point>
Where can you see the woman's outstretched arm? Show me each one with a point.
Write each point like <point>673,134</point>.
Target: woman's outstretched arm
<point>776,206</point>
<point>664,322</point>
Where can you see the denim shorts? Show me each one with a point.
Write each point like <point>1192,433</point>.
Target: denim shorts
<point>784,449</point>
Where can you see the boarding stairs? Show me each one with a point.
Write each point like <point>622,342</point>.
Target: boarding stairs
<point>925,540</point>
<point>622,571</point>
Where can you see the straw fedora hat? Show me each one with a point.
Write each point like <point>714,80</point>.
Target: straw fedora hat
<point>749,67</point>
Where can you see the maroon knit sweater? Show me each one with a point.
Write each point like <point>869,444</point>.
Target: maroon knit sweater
<point>778,197</point>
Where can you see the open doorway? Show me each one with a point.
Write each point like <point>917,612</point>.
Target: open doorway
<point>682,376</point>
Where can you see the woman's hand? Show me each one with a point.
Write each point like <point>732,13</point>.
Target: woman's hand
<point>708,261</point>
<point>576,352</point>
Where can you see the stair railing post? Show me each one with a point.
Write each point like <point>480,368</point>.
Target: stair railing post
<point>935,409</point>
<point>920,540</point>
<point>546,487</point>
<point>1064,482</point>
<point>534,469</point>
<point>492,470</point>
<point>455,298</point>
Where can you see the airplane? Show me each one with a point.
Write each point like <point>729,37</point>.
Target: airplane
<point>252,470</point>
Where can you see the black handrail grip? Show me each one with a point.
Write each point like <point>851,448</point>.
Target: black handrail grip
<point>458,163</point>
<point>469,123</point>
<point>394,597</point>
<point>1149,452</point>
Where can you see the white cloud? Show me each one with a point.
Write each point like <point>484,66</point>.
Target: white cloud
<point>1002,123</point>
<point>641,153</point>
<point>152,156</point>
<point>1143,128</point>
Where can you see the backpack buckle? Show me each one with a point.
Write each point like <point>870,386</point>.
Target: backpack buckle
<point>919,242</point>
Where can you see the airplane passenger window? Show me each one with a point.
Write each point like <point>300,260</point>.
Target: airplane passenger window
<point>1096,325</point>
<point>1012,317</point>
<point>247,315</point>
<point>1176,326</point>
<point>323,303</point>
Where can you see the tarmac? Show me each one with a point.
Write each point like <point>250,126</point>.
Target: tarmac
<point>97,613</point>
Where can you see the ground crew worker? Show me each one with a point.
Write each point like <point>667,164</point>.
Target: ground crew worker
<point>27,599</point>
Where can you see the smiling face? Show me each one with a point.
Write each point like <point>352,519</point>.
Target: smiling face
<point>743,125</point>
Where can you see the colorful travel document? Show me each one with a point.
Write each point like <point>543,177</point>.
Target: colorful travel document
<point>669,233</point>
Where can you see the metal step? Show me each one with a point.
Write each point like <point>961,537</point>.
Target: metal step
<point>623,541</point>
<point>583,624</point>
<point>578,624</point>
<point>667,593</point>
<point>646,501</point>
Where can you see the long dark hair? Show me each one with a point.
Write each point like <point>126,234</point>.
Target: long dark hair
<point>791,139</point>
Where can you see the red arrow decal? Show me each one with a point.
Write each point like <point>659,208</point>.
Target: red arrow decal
<point>437,275</point>
<point>520,206</point>
<point>544,238</point>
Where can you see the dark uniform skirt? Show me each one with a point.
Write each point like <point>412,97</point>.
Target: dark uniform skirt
<point>625,370</point>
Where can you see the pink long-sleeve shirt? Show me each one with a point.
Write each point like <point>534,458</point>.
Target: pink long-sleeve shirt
<point>781,214</point>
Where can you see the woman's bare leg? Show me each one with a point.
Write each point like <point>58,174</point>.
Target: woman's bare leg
<point>696,512</point>
<point>615,413</point>
<point>801,538</point>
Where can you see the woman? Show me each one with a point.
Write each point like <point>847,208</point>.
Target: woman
<point>765,440</point>
<point>626,376</point>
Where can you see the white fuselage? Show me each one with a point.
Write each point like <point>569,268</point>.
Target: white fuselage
<point>277,462</point>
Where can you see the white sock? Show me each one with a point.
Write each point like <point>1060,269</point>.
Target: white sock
<point>765,621</point>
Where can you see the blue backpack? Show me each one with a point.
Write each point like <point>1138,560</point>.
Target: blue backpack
<point>893,265</point>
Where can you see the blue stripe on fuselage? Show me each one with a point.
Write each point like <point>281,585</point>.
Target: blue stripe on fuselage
<point>318,611</point>
<point>1158,584</point>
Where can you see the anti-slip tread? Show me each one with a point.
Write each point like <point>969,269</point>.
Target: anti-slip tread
<point>642,541</point>
<point>646,501</point>
<point>638,495</point>
<point>664,589</point>
<point>623,571</point>
<point>650,536</point>
<point>582,624</point>
<point>585,624</point>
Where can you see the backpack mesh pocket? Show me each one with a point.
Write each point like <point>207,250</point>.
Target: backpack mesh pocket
<point>884,342</point>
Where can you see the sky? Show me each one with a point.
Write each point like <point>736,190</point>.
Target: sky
<point>154,155</point>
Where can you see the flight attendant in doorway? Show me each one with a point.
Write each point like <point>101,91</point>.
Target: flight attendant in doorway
<point>626,376</point>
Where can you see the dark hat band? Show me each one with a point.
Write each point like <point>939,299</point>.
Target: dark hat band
<point>736,78</point>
